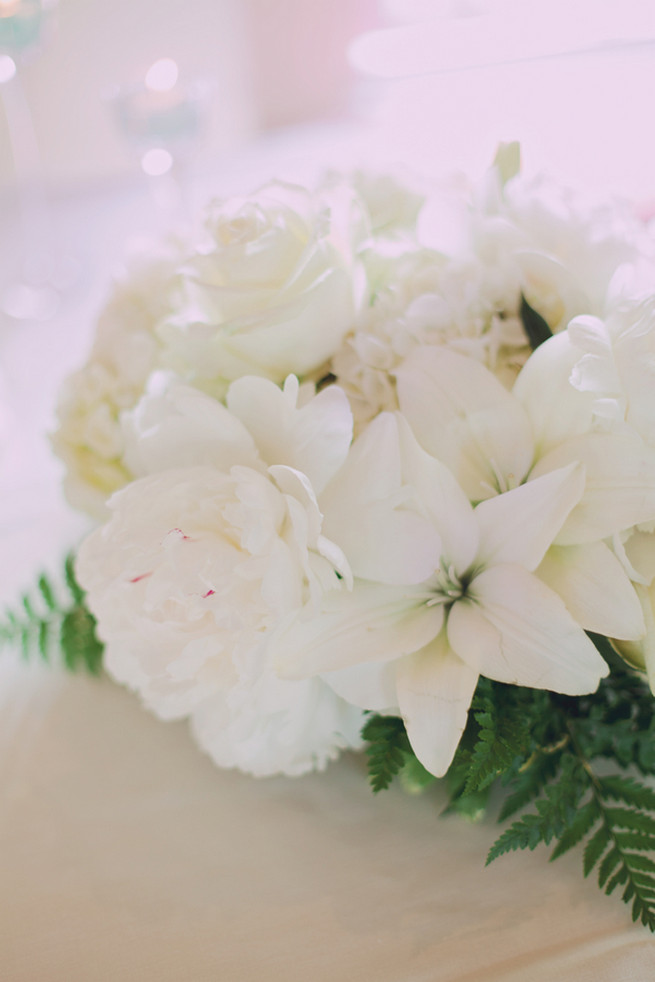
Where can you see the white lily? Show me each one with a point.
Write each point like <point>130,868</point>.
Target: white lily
<point>420,642</point>
<point>639,556</point>
<point>494,440</point>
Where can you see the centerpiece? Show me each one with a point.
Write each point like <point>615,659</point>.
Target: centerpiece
<point>357,491</point>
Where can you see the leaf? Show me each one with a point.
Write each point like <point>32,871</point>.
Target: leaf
<point>503,735</point>
<point>76,591</point>
<point>581,825</point>
<point>414,777</point>
<point>534,325</point>
<point>73,626</point>
<point>28,608</point>
<point>630,819</point>
<point>387,750</point>
<point>595,849</point>
<point>79,643</point>
<point>628,790</point>
<point>635,840</point>
<point>610,861</point>
<point>47,593</point>
<point>44,635</point>
<point>524,834</point>
<point>530,781</point>
<point>642,863</point>
<point>619,878</point>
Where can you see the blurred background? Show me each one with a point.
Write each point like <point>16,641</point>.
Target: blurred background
<point>441,80</point>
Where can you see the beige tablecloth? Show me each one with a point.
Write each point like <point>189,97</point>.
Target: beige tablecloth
<point>127,856</point>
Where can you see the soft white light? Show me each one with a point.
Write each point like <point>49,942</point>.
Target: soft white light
<point>162,75</point>
<point>156,162</point>
<point>7,68</point>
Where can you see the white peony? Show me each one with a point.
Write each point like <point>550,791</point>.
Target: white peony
<point>200,563</point>
<point>270,289</point>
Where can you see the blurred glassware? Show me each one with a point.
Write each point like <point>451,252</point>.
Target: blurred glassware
<point>42,273</point>
<point>161,119</point>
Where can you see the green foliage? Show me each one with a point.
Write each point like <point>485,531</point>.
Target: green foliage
<point>534,325</point>
<point>414,777</point>
<point>564,796</point>
<point>503,733</point>
<point>550,754</point>
<point>388,749</point>
<point>55,623</point>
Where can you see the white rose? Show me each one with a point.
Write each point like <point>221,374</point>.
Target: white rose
<point>271,289</point>
<point>199,566</point>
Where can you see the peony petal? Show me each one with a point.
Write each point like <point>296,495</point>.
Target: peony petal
<point>595,588</point>
<point>519,526</point>
<point>435,689</point>
<point>461,414</point>
<point>371,624</point>
<point>620,484</point>
<point>514,629</point>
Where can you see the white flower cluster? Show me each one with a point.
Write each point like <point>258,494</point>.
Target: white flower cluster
<point>334,476</point>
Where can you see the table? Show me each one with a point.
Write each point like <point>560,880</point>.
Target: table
<point>127,855</point>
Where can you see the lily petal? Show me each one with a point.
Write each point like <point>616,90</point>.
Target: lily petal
<point>372,514</point>
<point>461,414</point>
<point>371,624</point>
<point>519,526</point>
<point>440,498</point>
<point>435,689</point>
<point>595,588</point>
<point>515,629</point>
<point>371,685</point>
<point>620,487</point>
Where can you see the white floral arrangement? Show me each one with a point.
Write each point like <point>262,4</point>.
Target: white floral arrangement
<point>356,491</point>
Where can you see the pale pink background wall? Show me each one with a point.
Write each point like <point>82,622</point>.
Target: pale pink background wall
<point>273,62</point>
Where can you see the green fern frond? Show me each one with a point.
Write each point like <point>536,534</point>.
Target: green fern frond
<point>581,825</point>
<point>48,626</point>
<point>388,749</point>
<point>529,780</point>
<point>504,734</point>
